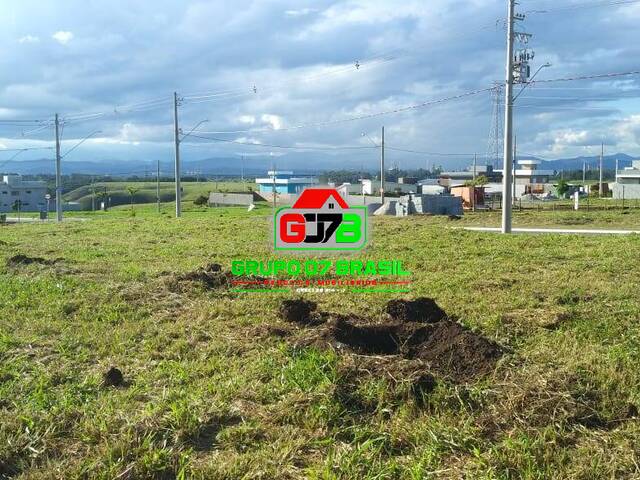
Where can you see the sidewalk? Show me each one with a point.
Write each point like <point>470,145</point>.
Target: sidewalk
<point>566,231</point>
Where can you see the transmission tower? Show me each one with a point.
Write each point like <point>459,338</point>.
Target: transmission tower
<point>495,145</point>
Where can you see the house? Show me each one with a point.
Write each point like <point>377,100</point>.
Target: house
<point>448,179</point>
<point>372,187</point>
<point>284,182</point>
<point>627,182</point>
<point>530,179</point>
<point>472,197</point>
<point>30,195</point>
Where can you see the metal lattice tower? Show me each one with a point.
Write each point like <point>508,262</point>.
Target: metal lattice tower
<point>495,144</point>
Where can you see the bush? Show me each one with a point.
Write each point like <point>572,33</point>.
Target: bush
<point>201,200</point>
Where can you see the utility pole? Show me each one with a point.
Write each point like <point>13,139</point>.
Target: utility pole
<point>177,146</point>
<point>158,183</point>
<point>508,124</point>
<point>584,174</point>
<point>58,173</point>
<point>475,163</point>
<point>93,196</point>
<point>382,169</point>
<point>515,167</point>
<point>601,162</point>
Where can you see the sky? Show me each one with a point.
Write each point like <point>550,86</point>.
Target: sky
<point>317,77</point>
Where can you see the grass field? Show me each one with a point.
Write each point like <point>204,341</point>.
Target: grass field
<point>145,192</point>
<point>211,392</point>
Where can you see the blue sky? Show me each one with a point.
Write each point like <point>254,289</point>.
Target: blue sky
<point>122,60</point>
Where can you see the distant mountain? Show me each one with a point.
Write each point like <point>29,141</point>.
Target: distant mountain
<point>250,166</point>
<point>608,162</point>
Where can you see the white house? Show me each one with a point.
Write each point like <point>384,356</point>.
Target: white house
<point>29,194</point>
<point>627,182</point>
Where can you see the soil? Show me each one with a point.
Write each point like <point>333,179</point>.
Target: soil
<point>414,336</point>
<point>420,310</point>
<point>22,260</point>
<point>211,277</point>
<point>113,378</point>
<point>301,312</point>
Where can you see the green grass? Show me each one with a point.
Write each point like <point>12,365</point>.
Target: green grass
<point>211,395</point>
<point>145,192</point>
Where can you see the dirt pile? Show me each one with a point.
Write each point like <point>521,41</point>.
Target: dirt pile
<point>415,331</point>
<point>421,310</point>
<point>211,277</point>
<point>113,378</point>
<point>301,312</point>
<point>23,260</point>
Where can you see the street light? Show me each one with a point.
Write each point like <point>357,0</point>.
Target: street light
<point>381,146</point>
<point>546,65</point>
<point>194,128</point>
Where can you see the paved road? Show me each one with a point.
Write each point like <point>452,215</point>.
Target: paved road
<point>569,231</point>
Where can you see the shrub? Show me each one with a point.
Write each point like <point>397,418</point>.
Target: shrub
<point>201,200</point>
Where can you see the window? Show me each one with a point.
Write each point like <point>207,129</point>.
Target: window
<point>28,192</point>
<point>14,193</point>
<point>5,193</point>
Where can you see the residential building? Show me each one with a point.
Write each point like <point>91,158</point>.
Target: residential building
<point>29,194</point>
<point>372,187</point>
<point>627,182</point>
<point>284,182</point>
<point>530,179</point>
<point>450,179</point>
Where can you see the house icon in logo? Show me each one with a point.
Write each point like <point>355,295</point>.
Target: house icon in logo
<point>320,220</point>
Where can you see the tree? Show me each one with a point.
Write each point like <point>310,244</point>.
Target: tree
<point>478,182</point>
<point>562,188</point>
<point>132,191</point>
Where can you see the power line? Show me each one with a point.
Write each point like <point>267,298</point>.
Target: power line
<point>269,145</point>
<point>361,117</point>
<point>597,4</point>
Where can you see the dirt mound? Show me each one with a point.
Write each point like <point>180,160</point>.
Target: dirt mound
<point>299,311</point>
<point>416,332</point>
<point>113,378</point>
<point>453,350</point>
<point>423,309</point>
<point>22,260</point>
<point>211,277</point>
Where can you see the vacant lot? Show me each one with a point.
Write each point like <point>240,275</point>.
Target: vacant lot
<point>120,359</point>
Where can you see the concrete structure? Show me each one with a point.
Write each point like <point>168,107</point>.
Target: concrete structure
<point>372,187</point>
<point>432,189</point>
<point>448,179</point>
<point>243,199</point>
<point>627,182</point>
<point>284,182</point>
<point>30,194</point>
<point>428,204</point>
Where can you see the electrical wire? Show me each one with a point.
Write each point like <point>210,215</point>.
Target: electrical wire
<point>361,117</point>
<point>269,145</point>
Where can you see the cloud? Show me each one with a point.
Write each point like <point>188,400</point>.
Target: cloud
<point>29,39</point>
<point>62,37</point>
<point>273,121</point>
<point>301,56</point>
<point>303,12</point>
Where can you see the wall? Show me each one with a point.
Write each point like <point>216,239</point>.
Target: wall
<point>630,191</point>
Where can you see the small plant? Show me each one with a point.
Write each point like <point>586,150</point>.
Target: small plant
<point>201,200</point>
<point>132,191</point>
<point>562,188</point>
